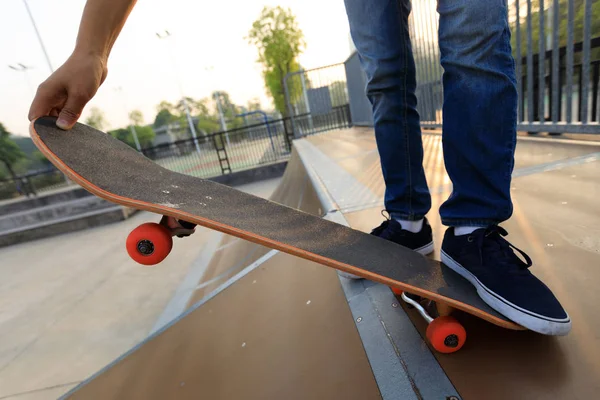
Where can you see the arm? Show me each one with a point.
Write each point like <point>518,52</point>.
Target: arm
<point>69,88</point>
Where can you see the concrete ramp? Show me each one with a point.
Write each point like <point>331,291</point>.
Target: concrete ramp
<point>260,325</point>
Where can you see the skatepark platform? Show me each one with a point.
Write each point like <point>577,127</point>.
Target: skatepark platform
<point>249,322</point>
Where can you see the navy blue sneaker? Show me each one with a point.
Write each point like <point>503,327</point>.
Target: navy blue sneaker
<point>503,280</point>
<point>391,229</point>
<point>421,242</point>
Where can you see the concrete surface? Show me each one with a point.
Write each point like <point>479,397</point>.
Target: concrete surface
<point>555,192</point>
<point>71,304</point>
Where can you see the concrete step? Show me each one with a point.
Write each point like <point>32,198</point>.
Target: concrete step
<point>71,223</point>
<point>58,211</point>
<point>44,199</point>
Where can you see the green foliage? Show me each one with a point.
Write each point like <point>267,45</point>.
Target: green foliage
<point>165,115</point>
<point>136,117</point>
<point>10,153</point>
<point>204,112</point>
<point>253,105</point>
<point>97,119</point>
<point>196,107</point>
<point>279,42</point>
<point>230,111</point>
<point>40,159</point>
<point>208,125</point>
<point>145,135</point>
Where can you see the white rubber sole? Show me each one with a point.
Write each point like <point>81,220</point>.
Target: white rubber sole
<point>528,319</point>
<point>425,250</point>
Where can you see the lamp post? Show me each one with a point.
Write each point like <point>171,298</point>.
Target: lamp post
<point>23,68</point>
<point>38,36</point>
<point>119,89</point>
<point>217,98</point>
<point>166,35</point>
<point>221,117</point>
<point>50,67</point>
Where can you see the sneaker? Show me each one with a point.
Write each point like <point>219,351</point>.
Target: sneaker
<point>503,280</point>
<point>421,242</point>
<point>390,229</point>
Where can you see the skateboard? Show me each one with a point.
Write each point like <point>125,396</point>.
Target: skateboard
<point>114,171</point>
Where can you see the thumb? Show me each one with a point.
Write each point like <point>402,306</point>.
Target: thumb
<point>71,112</point>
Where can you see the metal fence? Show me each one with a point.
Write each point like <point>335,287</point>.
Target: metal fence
<point>226,152</point>
<point>317,100</point>
<point>32,184</point>
<point>556,46</point>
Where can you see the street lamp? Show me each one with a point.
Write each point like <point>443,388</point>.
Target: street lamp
<point>37,33</point>
<point>38,36</point>
<point>23,68</point>
<point>221,117</point>
<point>217,97</point>
<point>131,127</point>
<point>167,35</point>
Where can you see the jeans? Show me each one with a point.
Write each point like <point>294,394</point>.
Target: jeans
<point>479,110</point>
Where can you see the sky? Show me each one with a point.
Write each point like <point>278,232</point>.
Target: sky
<point>141,72</point>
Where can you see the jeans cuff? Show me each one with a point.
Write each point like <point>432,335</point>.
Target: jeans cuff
<point>406,217</point>
<point>482,223</point>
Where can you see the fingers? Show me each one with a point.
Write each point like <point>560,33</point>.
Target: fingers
<point>71,112</point>
<point>42,104</point>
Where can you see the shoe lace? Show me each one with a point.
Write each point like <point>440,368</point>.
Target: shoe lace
<point>377,231</point>
<point>491,242</point>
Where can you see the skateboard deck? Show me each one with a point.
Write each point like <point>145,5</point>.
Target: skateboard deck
<point>114,171</point>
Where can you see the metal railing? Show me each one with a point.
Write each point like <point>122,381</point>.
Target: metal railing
<point>225,152</point>
<point>317,100</point>
<point>559,94</point>
<point>243,148</point>
<point>32,184</point>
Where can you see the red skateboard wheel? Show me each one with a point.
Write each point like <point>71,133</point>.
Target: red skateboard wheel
<point>396,291</point>
<point>446,334</point>
<point>149,243</point>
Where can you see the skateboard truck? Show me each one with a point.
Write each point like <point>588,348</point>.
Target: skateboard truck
<point>151,243</point>
<point>444,333</point>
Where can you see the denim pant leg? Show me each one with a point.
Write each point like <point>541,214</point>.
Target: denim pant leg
<point>480,110</point>
<point>379,29</point>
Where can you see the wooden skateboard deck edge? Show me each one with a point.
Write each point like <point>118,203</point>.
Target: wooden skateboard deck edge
<point>172,212</point>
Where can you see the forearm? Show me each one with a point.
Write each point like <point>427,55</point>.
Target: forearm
<point>101,24</point>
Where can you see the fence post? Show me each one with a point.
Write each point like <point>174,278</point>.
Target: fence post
<point>306,102</point>
<point>595,78</point>
<point>289,136</point>
<point>288,102</point>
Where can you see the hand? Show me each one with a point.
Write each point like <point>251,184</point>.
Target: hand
<point>68,89</point>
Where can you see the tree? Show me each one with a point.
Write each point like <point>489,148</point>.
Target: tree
<point>136,117</point>
<point>41,159</point>
<point>208,125</point>
<point>230,110</point>
<point>97,119</point>
<point>279,41</point>
<point>253,105</point>
<point>10,153</point>
<point>145,135</point>
<point>165,114</point>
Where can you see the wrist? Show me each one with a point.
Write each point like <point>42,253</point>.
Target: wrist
<point>99,54</point>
